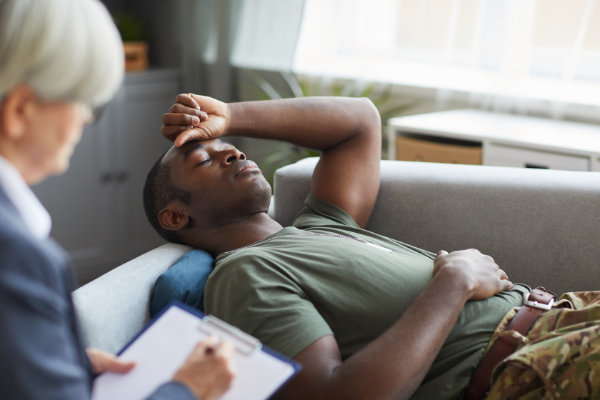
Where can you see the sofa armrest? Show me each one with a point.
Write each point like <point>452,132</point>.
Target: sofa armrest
<point>541,226</point>
<point>113,308</point>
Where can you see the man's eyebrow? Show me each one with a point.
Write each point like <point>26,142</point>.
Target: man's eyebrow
<point>192,149</point>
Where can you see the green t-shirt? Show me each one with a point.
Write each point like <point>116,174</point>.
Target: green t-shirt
<point>327,276</point>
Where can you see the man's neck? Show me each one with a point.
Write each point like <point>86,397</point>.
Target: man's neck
<point>236,234</point>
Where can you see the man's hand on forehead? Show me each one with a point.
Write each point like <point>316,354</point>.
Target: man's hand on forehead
<point>184,114</point>
<point>186,103</point>
<point>194,117</point>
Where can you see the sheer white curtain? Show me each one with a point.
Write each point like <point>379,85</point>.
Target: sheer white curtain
<point>505,55</point>
<point>205,32</point>
<point>267,34</point>
<point>218,35</point>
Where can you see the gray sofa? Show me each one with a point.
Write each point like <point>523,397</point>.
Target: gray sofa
<point>541,226</point>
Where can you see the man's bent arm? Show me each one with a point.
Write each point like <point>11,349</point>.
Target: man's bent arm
<point>394,364</point>
<point>346,130</point>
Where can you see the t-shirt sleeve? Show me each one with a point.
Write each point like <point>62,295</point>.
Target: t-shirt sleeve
<point>262,300</point>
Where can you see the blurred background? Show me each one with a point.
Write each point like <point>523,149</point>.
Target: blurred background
<point>535,58</point>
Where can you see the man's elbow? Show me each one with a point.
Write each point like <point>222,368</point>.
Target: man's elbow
<point>370,117</point>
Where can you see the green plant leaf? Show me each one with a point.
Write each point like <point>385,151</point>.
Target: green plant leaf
<point>382,96</point>
<point>267,88</point>
<point>295,87</point>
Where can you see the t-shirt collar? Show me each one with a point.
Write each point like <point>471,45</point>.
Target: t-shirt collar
<point>31,211</point>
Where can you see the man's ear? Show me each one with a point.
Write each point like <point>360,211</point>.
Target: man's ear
<point>15,111</point>
<point>172,218</point>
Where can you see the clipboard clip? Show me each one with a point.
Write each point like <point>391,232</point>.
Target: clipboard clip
<point>243,342</point>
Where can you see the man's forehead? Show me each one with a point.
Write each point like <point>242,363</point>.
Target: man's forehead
<point>184,150</point>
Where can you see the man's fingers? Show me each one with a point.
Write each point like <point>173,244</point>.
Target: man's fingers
<point>180,119</point>
<point>507,284</point>
<point>179,108</point>
<point>199,99</point>
<point>188,100</point>
<point>186,136</point>
<point>181,135</point>
<point>171,132</point>
<point>437,261</point>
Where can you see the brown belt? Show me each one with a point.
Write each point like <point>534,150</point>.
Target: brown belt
<point>539,300</point>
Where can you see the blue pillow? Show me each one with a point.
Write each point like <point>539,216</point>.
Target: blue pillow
<point>183,281</point>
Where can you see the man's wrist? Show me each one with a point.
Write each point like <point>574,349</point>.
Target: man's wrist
<point>456,280</point>
<point>228,118</point>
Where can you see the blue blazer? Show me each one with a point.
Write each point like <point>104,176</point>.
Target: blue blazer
<point>41,355</point>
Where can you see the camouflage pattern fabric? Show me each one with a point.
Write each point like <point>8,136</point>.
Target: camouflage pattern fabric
<point>560,356</point>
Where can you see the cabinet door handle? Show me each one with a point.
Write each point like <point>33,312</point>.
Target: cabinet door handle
<point>536,166</point>
<point>121,176</point>
<point>106,177</point>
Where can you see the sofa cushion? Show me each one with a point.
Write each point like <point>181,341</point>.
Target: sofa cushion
<point>183,281</point>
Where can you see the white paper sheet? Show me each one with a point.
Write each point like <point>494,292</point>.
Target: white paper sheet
<point>163,347</point>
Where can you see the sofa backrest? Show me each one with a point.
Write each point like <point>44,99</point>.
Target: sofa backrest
<point>541,226</point>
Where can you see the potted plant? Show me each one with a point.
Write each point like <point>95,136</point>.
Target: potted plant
<point>133,35</point>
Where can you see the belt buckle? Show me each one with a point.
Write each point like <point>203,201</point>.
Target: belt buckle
<point>538,305</point>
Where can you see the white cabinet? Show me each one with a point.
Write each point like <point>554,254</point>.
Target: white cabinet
<point>96,206</point>
<point>505,140</point>
<point>510,156</point>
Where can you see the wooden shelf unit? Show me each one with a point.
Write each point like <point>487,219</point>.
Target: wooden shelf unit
<point>504,140</point>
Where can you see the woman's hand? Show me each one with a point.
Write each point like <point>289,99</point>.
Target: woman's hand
<point>195,117</point>
<point>208,370</point>
<point>106,362</point>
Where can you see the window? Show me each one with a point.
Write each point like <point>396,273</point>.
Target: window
<point>537,49</point>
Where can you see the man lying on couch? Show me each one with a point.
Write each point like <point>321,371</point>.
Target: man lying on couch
<point>368,317</point>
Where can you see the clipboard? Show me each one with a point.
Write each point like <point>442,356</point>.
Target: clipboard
<point>164,344</point>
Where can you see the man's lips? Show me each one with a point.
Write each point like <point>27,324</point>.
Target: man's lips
<point>247,166</point>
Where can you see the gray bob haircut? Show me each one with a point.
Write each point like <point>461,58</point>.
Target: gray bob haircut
<point>64,50</point>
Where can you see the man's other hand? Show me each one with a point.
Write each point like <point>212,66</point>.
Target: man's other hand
<point>195,117</point>
<point>479,273</point>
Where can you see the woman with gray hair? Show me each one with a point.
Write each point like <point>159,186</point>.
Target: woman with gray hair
<point>59,61</point>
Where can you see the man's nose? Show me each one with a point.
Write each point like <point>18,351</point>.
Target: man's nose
<point>233,155</point>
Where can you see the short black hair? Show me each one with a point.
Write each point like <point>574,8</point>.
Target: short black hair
<point>159,191</point>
